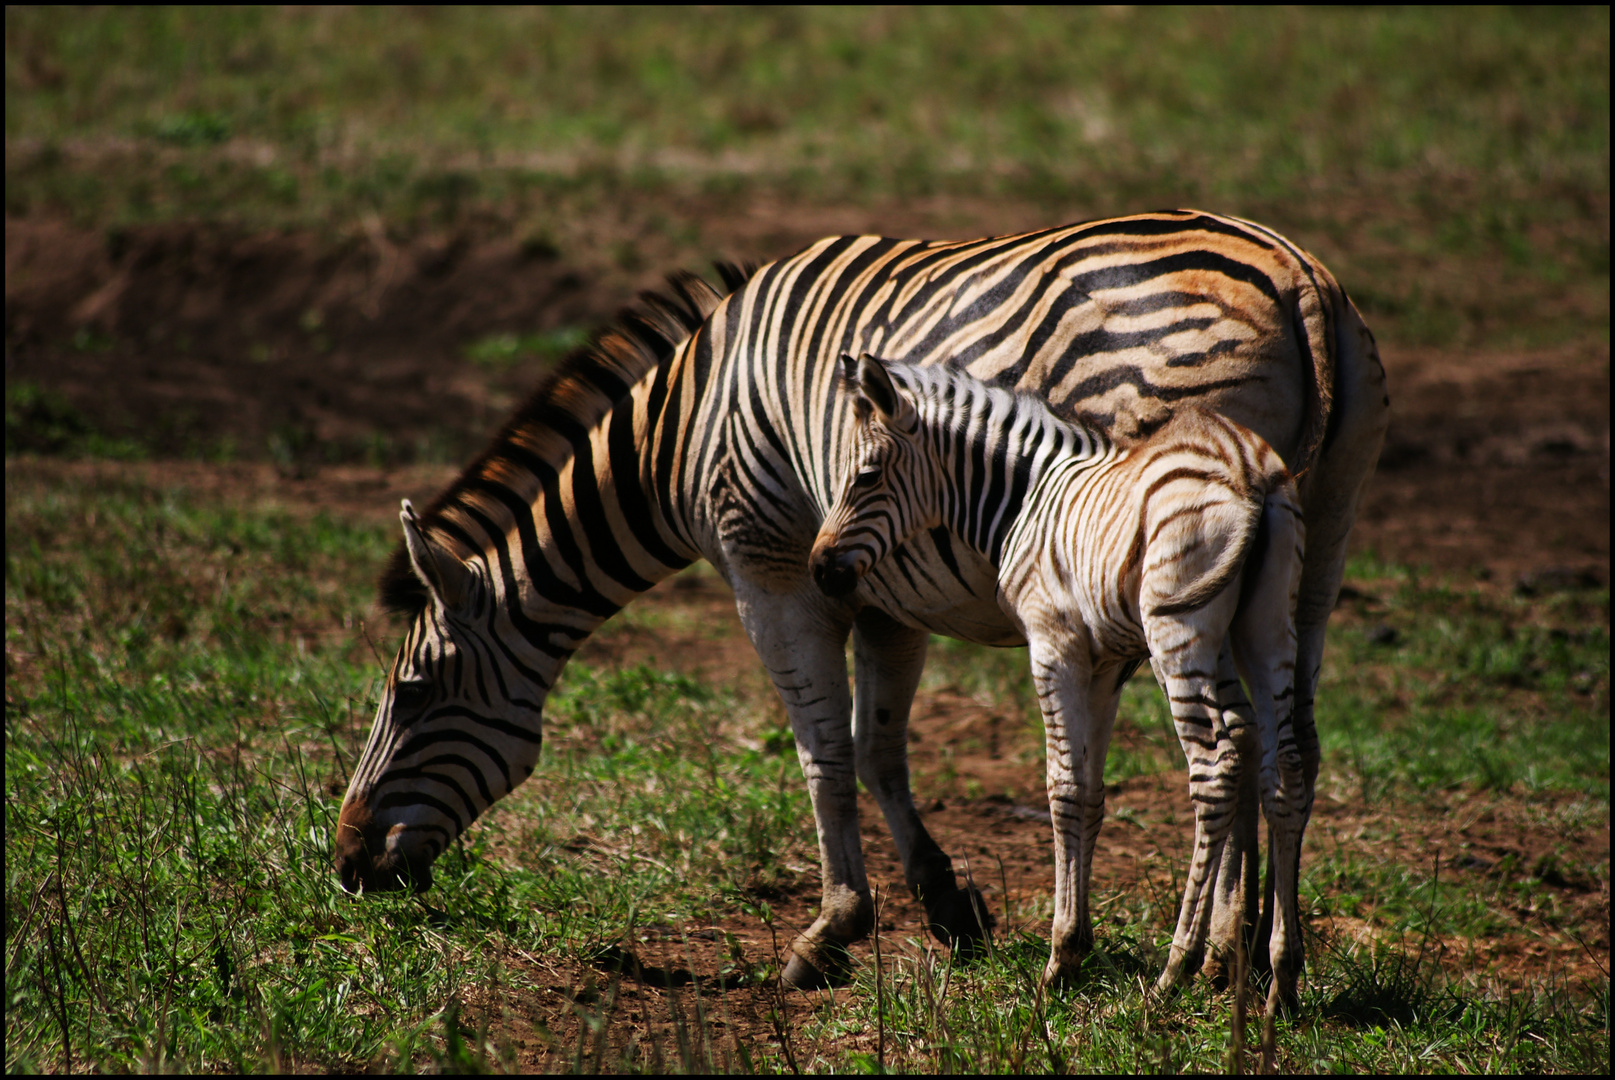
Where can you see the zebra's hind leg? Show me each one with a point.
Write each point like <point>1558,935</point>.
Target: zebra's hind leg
<point>1236,896</point>
<point>1265,649</point>
<point>888,660</point>
<point>1185,650</point>
<point>800,639</point>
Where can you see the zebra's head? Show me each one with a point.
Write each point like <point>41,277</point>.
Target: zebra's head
<point>891,487</point>
<point>458,724</point>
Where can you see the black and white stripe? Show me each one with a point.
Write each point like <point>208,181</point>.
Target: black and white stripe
<point>712,426</point>
<point>1185,547</point>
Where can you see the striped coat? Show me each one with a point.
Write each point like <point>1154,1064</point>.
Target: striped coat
<point>1184,547</point>
<point>711,426</point>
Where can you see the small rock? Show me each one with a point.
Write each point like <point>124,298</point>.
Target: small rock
<point>1381,634</point>
<point>1557,579</point>
<point>1348,592</point>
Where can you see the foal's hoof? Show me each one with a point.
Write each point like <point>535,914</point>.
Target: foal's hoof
<point>1057,974</point>
<point>1177,972</point>
<point>961,921</point>
<point>803,974</point>
<point>1282,1000</point>
<point>1166,989</point>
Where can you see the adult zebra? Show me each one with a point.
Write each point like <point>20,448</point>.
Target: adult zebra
<point>711,428</point>
<point>1184,547</point>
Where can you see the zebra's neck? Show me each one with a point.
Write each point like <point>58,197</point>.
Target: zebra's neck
<point>558,516</point>
<point>999,448</point>
<point>593,537</point>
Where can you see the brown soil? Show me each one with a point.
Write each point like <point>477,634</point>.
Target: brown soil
<point>309,350</point>
<point>1491,842</point>
<point>1496,468</point>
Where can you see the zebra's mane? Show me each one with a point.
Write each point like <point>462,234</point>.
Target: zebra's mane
<point>571,400</point>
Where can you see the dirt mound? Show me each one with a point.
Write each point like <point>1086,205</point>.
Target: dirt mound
<point>1497,465</point>
<point>309,350</point>
<point>198,339</point>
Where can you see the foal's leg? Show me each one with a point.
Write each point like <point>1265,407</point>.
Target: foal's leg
<point>1236,895</point>
<point>1264,641</point>
<point>1186,649</point>
<point>1078,702</point>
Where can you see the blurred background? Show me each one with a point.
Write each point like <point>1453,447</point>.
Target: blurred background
<point>316,236</point>
<point>270,270</point>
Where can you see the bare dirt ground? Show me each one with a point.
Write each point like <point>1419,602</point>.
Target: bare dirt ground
<point>1495,471</point>
<point>197,340</point>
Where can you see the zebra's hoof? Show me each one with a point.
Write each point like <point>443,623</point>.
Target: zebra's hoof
<point>1167,987</point>
<point>1059,973</point>
<point>960,920</point>
<point>802,974</point>
<point>1218,973</point>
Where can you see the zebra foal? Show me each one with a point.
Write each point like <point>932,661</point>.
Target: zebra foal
<point>1185,547</point>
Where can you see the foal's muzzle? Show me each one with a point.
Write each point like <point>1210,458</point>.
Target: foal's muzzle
<point>835,572</point>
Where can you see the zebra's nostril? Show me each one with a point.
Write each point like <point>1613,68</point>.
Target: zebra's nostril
<point>347,870</point>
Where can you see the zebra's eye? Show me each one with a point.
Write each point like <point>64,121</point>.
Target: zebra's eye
<point>866,478</point>
<point>409,697</point>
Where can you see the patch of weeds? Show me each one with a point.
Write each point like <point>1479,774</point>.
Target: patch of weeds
<point>650,781</point>
<point>499,352</point>
<point>191,129</point>
<point>1384,986</point>
<point>1472,687</point>
<point>42,421</point>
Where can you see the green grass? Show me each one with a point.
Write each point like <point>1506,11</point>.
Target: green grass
<point>189,679</point>
<point>502,351</point>
<point>39,420</point>
<point>1433,687</point>
<point>1373,1012</point>
<point>186,684</point>
<point>1408,148</point>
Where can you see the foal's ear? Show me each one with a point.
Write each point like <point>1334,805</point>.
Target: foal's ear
<point>876,386</point>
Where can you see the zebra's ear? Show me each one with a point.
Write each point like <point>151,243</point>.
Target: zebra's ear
<point>439,569</point>
<point>849,371</point>
<point>876,385</point>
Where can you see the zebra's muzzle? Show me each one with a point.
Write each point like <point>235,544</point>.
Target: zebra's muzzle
<point>836,573</point>
<point>365,863</point>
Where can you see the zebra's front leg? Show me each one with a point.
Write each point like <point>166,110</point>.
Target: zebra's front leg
<point>801,639</point>
<point>888,659</point>
<point>1078,703</point>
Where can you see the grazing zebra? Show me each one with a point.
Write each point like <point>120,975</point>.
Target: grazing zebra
<point>1184,547</point>
<point>710,427</point>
